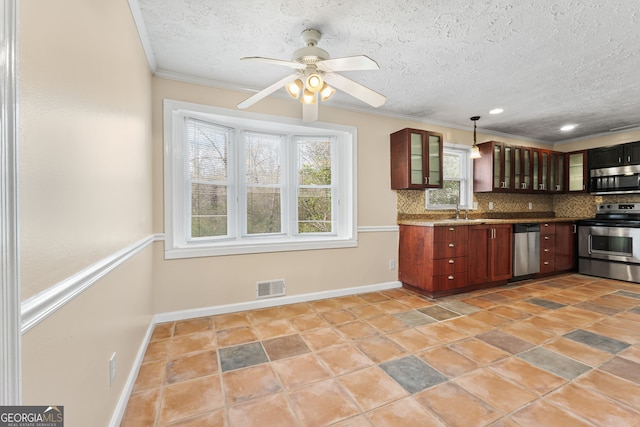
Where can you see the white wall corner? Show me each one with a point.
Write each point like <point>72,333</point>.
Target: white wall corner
<point>10,337</point>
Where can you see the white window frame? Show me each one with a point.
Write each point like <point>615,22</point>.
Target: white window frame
<point>466,191</point>
<point>344,181</point>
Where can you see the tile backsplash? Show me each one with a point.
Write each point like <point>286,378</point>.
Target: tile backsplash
<point>413,202</point>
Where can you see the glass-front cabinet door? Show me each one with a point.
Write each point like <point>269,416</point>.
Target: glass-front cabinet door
<point>434,167</point>
<point>416,159</point>
<point>577,171</point>
<point>536,167</point>
<point>417,171</point>
<point>556,173</point>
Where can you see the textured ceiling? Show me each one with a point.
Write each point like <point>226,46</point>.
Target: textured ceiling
<point>547,63</point>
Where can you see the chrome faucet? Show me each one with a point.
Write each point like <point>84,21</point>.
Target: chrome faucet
<point>457,211</point>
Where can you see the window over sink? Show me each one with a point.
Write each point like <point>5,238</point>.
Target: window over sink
<point>457,186</point>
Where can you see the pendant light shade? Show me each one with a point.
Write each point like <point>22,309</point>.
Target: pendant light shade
<point>475,151</point>
<point>295,88</point>
<point>308,97</point>
<point>314,82</point>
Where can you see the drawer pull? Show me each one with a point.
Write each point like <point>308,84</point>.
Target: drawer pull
<point>546,263</point>
<point>546,250</point>
<point>451,261</point>
<point>451,229</point>
<point>451,245</point>
<point>546,225</point>
<point>546,237</point>
<point>450,277</point>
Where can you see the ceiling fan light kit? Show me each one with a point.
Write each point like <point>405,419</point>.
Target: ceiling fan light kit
<point>314,69</point>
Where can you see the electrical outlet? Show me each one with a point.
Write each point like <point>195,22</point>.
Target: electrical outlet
<point>490,206</point>
<point>475,206</point>
<point>112,368</point>
<point>392,264</point>
<point>530,206</point>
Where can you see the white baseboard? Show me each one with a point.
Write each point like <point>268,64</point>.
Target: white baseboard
<point>121,406</point>
<point>271,302</point>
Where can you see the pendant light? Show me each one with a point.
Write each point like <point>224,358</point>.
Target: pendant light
<point>475,151</point>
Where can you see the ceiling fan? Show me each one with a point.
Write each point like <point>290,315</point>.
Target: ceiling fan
<point>314,71</point>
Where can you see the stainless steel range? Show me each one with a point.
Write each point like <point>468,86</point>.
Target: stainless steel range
<point>609,244</point>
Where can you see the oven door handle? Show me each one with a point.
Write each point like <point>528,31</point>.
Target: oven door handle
<point>589,243</point>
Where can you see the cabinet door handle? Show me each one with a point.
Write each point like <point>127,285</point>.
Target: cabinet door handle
<point>451,245</point>
<point>450,277</point>
<point>546,250</point>
<point>575,229</point>
<point>546,263</point>
<point>426,180</point>
<point>451,261</point>
<point>628,159</point>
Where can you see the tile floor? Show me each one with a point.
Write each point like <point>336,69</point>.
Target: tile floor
<point>564,351</point>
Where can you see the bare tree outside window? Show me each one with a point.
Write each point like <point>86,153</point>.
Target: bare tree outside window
<point>208,175</point>
<point>263,174</point>
<point>314,186</point>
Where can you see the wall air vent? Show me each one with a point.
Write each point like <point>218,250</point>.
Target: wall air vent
<point>270,288</point>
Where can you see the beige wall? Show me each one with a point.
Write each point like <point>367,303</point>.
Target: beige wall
<point>85,190</point>
<point>599,141</point>
<point>203,282</point>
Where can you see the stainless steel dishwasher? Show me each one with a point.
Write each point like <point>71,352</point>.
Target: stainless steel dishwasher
<point>526,250</point>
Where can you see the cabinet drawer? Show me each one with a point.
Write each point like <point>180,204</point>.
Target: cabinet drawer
<point>547,228</point>
<point>451,233</point>
<point>450,281</point>
<point>450,250</point>
<point>450,265</point>
<point>547,265</point>
<point>547,241</point>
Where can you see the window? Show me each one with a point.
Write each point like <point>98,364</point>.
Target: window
<point>457,187</point>
<point>237,182</point>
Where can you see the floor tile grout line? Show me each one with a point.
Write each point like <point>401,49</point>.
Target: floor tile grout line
<point>495,327</point>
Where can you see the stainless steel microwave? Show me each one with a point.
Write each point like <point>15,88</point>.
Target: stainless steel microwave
<point>615,180</point>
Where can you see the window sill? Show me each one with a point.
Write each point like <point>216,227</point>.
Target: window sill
<point>221,249</point>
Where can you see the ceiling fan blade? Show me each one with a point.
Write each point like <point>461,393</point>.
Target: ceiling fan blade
<point>348,63</point>
<point>273,61</point>
<point>267,91</point>
<point>356,90</point>
<point>310,112</point>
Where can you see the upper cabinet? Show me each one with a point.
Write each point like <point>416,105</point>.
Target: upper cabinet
<point>576,165</point>
<point>492,171</point>
<point>616,155</point>
<point>416,159</point>
<point>517,169</point>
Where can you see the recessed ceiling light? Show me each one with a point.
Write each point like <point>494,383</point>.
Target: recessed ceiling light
<point>567,128</point>
<point>496,111</point>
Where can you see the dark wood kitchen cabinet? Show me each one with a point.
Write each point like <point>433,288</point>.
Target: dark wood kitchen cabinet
<point>416,159</point>
<point>547,248</point>
<point>493,171</point>
<point>490,259</point>
<point>557,247</point>
<point>433,260</point>
<point>522,169</point>
<point>566,246</point>
<point>615,155</point>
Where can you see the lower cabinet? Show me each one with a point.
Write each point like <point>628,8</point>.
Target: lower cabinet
<point>434,260</point>
<point>490,255</point>
<point>558,242</point>
<point>442,260</point>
